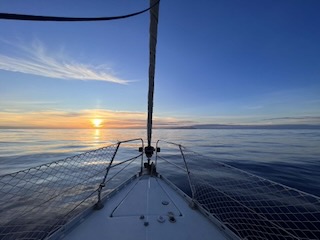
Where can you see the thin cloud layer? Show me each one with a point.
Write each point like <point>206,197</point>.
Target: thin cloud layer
<point>82,119</point>
<point>295,120</point>
<point>37,60</point>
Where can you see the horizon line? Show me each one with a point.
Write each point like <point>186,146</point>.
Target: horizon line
<point>194,126</point>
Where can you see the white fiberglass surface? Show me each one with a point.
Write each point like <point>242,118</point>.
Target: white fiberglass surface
<point>146,209</point>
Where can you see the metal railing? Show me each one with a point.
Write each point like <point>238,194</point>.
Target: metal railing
<point>37,201</point>
<point>250,206</point>
<point>184,168</point>
<point>99,204</point>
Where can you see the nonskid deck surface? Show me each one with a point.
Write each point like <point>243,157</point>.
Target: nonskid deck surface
<point>148,208</point>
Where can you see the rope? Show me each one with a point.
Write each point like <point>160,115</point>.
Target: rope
<point>154,12</point>
<point>23,17</point>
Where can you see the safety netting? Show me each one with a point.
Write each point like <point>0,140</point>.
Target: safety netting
<point>250,206</point>
<point>38,201</point>
<point>35,202</point>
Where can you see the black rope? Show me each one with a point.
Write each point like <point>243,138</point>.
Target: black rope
<point>23,17</point>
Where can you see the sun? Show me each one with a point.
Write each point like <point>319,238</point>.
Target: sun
<point>96,122</point>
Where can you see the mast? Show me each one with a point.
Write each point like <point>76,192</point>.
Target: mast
<point>153,33</point>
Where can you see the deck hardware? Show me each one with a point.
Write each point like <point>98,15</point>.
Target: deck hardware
<point>149,150</point>
<point>99,205</point>
<point>146,224</point>
<point>141,216</point>
<point>193,205</point>
<point>161,219</point>
<point>165,202</point>
<point>172,219</point>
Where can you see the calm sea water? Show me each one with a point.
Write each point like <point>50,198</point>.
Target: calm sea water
<point>291,157</point>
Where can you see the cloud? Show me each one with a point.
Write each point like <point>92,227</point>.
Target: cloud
<point>83,119</point>
<point>171,122</point>
<point>254,107</point>
<point>27,102</point>
<point>295,120</point>
<point>126,119</point>
<point>37,60</point>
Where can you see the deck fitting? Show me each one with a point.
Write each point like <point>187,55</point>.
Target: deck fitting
<point>172,219</point>
<point>99,205</point>
<point>161,219</point>
<point>165,202</point>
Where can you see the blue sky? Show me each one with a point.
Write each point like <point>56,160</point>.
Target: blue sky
<point>227,62</point>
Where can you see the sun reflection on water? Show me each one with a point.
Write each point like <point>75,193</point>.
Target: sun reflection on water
<point>97,133</point>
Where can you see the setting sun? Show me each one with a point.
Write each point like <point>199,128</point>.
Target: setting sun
<point>97,123</point>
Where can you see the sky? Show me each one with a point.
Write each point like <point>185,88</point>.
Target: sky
<point>218,62</point>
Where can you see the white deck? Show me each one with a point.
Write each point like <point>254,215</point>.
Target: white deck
<point>121,217</point>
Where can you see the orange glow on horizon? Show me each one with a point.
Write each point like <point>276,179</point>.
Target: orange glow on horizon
<point>83,119</point>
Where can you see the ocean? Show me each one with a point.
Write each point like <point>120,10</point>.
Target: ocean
<point>290,157</point>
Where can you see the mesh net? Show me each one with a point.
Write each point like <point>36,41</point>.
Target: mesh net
<point>37,201</point>
<point>250,206</point>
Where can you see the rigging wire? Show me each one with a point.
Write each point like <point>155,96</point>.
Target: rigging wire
<point>24,17</point>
